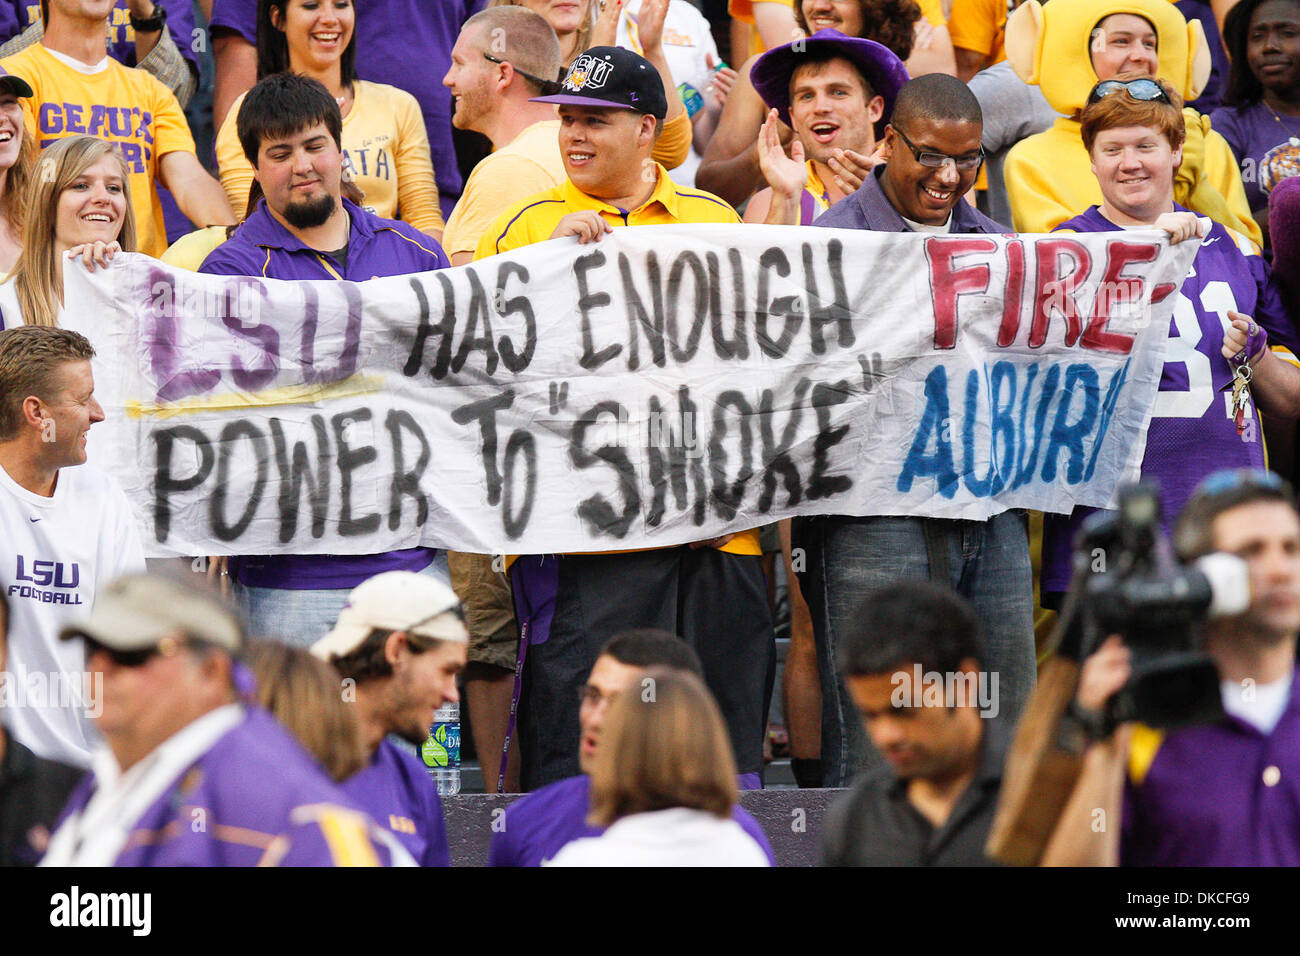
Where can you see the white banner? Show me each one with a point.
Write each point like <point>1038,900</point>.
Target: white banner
<point>666,385</point>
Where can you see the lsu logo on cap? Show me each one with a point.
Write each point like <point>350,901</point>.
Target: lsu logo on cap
<point>587,73</point>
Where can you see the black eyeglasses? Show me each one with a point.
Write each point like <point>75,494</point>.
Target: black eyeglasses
<point>592,695</point>
<point>938,160</point>
<point>1146,90</point>
<point>548,87</point>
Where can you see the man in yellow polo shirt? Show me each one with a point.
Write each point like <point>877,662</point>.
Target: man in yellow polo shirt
<point>711,593</point>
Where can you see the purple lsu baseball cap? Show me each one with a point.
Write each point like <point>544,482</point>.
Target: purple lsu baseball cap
<point>15,84</point>
<point>880,65</point>
<point>613,77</point>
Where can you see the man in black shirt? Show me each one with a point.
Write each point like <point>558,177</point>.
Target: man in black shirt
<point>32,791</point>
<point>912,666</point>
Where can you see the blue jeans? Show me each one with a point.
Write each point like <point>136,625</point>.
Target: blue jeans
<point>988,563</point>
<point>303,617</point>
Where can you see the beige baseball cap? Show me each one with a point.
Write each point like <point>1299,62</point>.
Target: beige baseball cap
<point>135,612</point>
<point>395,601</point>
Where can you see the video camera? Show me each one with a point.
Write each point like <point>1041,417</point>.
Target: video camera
<point>1159,607</point>
<point>1126,581</point>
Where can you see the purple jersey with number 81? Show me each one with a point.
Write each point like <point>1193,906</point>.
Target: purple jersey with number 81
<point>1192,431</point>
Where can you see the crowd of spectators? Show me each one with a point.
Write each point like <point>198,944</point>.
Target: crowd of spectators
<point>357,140</point>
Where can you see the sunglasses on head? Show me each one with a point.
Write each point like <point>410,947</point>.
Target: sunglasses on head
<point>1234,479</point>
<point>422,642</point>
<point>548,87</point>
<point>1141,89</point>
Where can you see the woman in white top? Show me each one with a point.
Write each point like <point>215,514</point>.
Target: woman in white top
<point>78,204</point>
<point>664,782</point>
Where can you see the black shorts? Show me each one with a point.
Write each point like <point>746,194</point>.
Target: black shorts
<point>714,600</point>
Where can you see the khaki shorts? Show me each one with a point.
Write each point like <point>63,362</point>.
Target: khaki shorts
<point>489,609</point>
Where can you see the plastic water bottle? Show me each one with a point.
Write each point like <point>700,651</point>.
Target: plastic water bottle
<point>441,752</point>
<point>691,98</point>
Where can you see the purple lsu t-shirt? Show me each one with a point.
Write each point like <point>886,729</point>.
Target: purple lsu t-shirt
<point>397,792</point>
<point>1223,794</point>
<point>404,43</point>
<point>538,825</point>
<point>1191,433</point>
<point>1267,147</point>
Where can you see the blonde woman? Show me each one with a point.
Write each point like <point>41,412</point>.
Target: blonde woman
<point>664,782</point>
<point>385,144</point>
<point>572,20</point>
<point>78,205</point>
<point>302,693</point>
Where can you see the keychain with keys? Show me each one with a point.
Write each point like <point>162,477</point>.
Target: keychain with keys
<point>1256,343</point>
<point>1240,394</point>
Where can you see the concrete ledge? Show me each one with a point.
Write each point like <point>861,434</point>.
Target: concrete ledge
<point>792,820</point>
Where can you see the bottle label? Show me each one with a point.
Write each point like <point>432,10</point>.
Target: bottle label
<point>442,748</point>
<point>691,98</point>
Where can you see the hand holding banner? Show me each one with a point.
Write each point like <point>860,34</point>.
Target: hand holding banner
<point>665,385</point>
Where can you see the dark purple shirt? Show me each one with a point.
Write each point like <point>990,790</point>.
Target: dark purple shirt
<point>255,785</point>
<point>398,793</point>
<point>1284,231</point>
<point>538,825</point>
<point>1212,95</point>
<point>404,43</point>
<point>1190,434</point>
<point>1224,794</point>
<point>869,208</point>
<point>1267,147</point>
<point>376,247</point>
<point>12,19</point>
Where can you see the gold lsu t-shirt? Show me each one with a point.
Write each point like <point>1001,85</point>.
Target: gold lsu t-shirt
<point>116,103</point>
